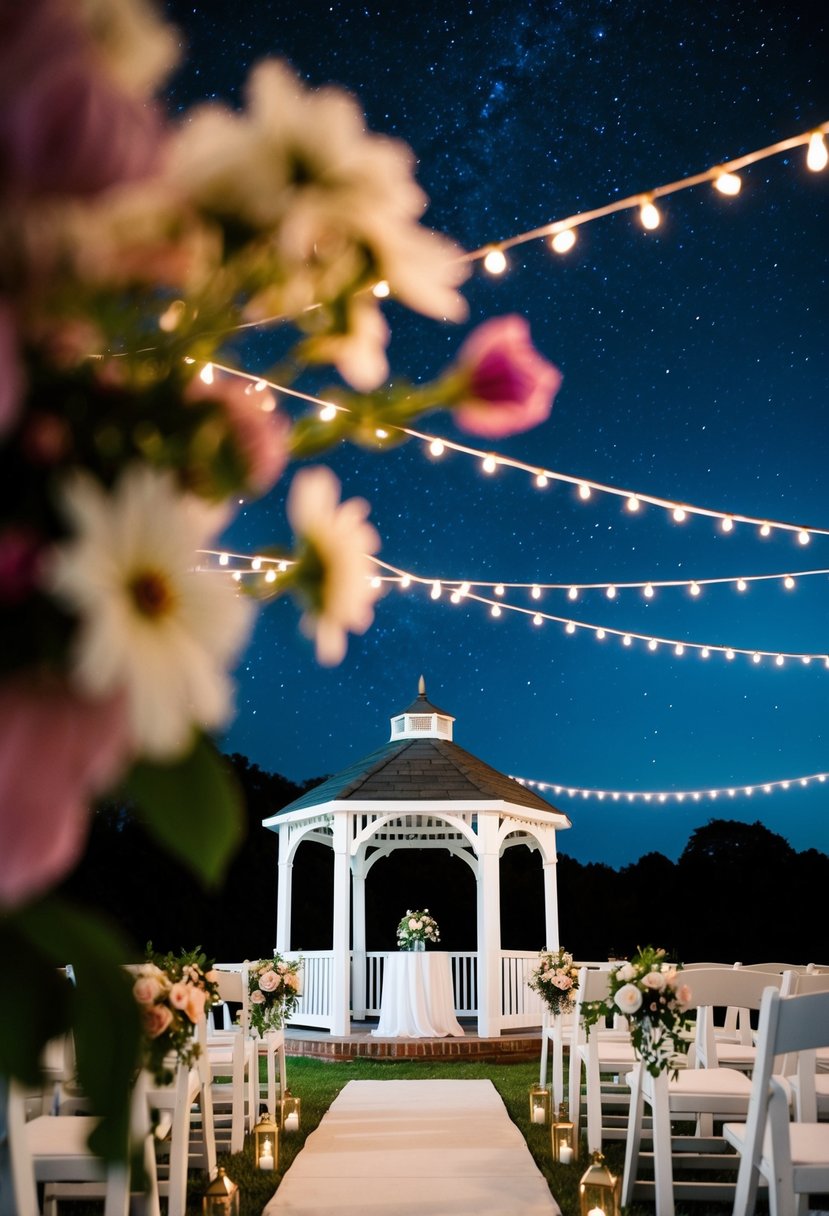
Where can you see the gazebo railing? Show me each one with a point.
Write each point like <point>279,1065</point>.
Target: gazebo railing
<point>519,1006</point>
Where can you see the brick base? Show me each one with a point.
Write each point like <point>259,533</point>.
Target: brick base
<point>510,1050</point>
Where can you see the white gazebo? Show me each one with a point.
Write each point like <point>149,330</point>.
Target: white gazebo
<point>419,791</point>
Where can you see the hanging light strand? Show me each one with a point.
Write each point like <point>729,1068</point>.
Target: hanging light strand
<point>723,176</point>
<point>676,796</point>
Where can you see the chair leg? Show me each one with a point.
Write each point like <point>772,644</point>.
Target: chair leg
<point>558,1066</point>
<point>633,1143</point>
<point>663,1172</point>
<point>748,1178</point>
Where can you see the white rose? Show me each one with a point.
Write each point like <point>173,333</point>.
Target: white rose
<point>654,980</point>
<point>628,998</point>
<point>626,972</point>
<point>413,924</point>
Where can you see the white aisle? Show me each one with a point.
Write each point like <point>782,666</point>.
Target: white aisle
<point>415,1148</point>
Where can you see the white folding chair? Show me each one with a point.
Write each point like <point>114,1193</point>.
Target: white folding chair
<point>791,1157</point>
<point>175,1103</point>
<point>810,1093</point>
<point>233,1065</point>
<point>271,1047</point>
<point>606,1055</point>
<point>52,1149</point>
<point>703,1093</point>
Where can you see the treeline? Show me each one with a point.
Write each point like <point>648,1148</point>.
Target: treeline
<point>738,892</point>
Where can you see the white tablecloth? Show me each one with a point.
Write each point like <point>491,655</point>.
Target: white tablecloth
<point>418,1001</point>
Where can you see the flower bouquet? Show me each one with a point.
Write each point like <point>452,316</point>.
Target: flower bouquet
<point>273,991</point>
<point>647,991</point>
<point>556,980</point>
<point>173,995</point>
<point>417,927</point>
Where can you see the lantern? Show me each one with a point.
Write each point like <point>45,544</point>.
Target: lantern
<point>289,1111</point>
<point>563,1135</point>
<point>266,1142</point>
<point>540,1105</point>
<point>222,1196</point>
<point>599,1190</point>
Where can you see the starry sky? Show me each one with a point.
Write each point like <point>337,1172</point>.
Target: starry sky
<point>694,365</point>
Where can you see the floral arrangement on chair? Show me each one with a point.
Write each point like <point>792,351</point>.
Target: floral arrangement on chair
<point>273,991</point>
<point>174,993</point>
<point>136,253</point>
<point>417,927</point>
<point>556,980</point>
<point>648,992</point>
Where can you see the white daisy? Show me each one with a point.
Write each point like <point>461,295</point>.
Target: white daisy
<point>334,572</point>
<point>148,623</point>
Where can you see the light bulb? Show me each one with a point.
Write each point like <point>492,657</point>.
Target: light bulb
<point>652,644</point>
<point>569,627</point>
<point>536,593</point>
<point>455,597</point>
<point>489,464</point>
<point>765,529</point>
<point>817,156</point>
<point>679,515</point>
<point>573,593</point>
<point>406,581</point>
<point>270,577</point>
<point>375,582</point>
<point>649,215</point>
<point>206,373</point>
<point>537,619</point>
<point>704,653</point>
<point>380,433</point>
<point>436,591</point>
<point>741,584</point>
<point>806,659</point>
<point>541,480</point>
<point>584,491</point>
<point>601,635</point>
<point>611,592</point>
<point>729,654</point>
<point>648,592</point>
<point>495,261</point>
<point>562,241</point>
<point>695,589</point>
<point>727,523</point>
<point>633,503</point>
<point>256,564</point>
<point>237,576</point>
<point>381,289</point>
<point>328,413</point>
<point>499,590</point>
<point>223,559</point>
<point>803,536</point>
<point>679,649</point>
<point>464,589</point>
<point>728,183</point>
<point>779,660</point>
<point>788,582</point>
<point>755,658</point>
<point>627,639</point>
<point>495,610</point>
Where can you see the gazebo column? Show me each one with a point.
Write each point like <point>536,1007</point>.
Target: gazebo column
<point>285,873</point>
<point>341,962</point>
<point>551,904</point>
<point>489,928</point>
<point>358,968</point>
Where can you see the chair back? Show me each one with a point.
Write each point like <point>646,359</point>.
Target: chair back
<point>232,983</point>
<point>723,987</point>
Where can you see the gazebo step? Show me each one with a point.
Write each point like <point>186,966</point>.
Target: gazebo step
<point>514,1048</point>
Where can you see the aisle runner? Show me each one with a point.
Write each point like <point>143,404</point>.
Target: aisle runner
<point>415,1148</point>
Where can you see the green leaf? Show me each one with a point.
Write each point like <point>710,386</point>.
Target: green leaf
<point>35,1007</point>
<point>193,808</point>
<point>103,1013</point>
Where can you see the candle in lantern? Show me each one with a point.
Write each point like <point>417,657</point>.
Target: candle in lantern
<point>292,1122</point>
<point>266,1157</point>
<point>565,1155</point>
<point>596,1212</point>
<point>538,1113</point>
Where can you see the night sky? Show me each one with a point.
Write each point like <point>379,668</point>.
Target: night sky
<point>694,364</point>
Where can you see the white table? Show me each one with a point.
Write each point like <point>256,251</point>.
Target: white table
<point>418,999</point>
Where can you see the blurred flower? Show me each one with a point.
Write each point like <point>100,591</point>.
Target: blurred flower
<point>157,1019</point>
<point>66,125</point>
<point>505,386</point>
<point>57,750</point>
<point>332,575</point>
<point>20,551</point>
<point>12,377</point>
<point>149,623</point>
<point>260,433</point>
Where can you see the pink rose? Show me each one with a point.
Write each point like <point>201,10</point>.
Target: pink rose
<point>257,997</point>
<point>563,982</point>
<point>269,981</point>
<point>259,431</point>
<point>179,995</point>
<point>654,980</point>
<point>683,994</point>
<point>156,1020</point>
<point>66,127</point>
<point>145,989</point>
<point>44,806</point>
<point>196,998</point>
<point>292,981</point>
<point>508,387</point>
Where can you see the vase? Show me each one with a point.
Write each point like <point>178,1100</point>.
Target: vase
<point>418,945</point>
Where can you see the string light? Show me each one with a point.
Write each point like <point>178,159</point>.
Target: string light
<point>437,447</point>
<point>817,155</point>
<point>495,261</point>
<point>675,796</point>
<point>489,464</point>
<point>563,241</point>
<point>728,183</point>
<point>649,216</point>
<point>381,290</point>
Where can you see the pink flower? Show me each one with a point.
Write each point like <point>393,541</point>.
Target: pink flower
<point>12,378</point>
<point>196,998</point>
<point>20,552</point>
<point>179,995</point>
<point>66,127</point>
<point>506,385</point>
<point>269,981</point>
<point>156,1020</point>
<point>259,432</point>
<point>257,997</point>
<point>654,980</point>
<point>56,751</point>
<point>683,994</point>
<point>145,989</point>
<point>563,982</point>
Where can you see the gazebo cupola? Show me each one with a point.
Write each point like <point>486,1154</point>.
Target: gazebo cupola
<point>421,720</point>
